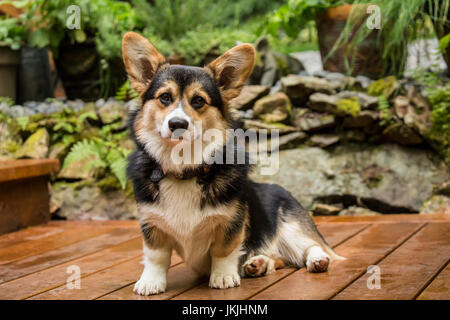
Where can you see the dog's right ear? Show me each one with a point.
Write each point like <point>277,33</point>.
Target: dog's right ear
<point>141,60</point>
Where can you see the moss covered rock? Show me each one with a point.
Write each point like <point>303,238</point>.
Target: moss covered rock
<point>36,146</point>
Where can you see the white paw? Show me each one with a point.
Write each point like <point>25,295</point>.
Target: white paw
<point>258,266</point>
<point>221,280</point>
<point>149,285</point>
<point>317,260</point>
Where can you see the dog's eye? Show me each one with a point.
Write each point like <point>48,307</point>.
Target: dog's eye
<point>165,98</point>
<point>197,102</point>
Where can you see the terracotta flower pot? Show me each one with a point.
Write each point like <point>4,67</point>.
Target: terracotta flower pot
<point>368,56</point>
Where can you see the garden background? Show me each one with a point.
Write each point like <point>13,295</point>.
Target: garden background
<point>363,113</point>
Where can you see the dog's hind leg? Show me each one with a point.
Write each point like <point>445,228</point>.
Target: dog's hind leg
<point>317,260</point>
<point>261,265</point>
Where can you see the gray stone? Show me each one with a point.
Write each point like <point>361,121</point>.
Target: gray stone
<point>402,134</point>
<point>324,140</point>
<point>365,119</point>
<point>310,121</point>
<point>36,146</point>
<point>320,209</point>
<point>436,204</point>
<point>113,111</point>
<point>91,203</point>
<point>258,124</point>
<point>299,88</point>
<point>403,181</point>
<point>366,101</point>
<point>248,96</point>
<point>414,110</point>
<point>357,211</point>
<point>273,108</point>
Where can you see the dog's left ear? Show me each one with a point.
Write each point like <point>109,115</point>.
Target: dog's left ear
<point>141,60</point>
<point>232,69</point>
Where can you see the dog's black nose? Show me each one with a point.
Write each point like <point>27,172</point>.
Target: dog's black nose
<point>177,123</point>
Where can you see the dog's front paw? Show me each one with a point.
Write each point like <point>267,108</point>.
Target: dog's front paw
<point>147,286</point>
<point>220,280</point>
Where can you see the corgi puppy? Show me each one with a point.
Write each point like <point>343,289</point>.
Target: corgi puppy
<point>220,222</point>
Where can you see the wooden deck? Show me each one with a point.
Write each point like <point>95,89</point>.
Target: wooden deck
<point>411,251</point>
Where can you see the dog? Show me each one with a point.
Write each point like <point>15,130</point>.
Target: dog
<point>221,223</point>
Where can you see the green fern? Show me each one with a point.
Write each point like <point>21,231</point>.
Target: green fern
<point>126,92</point>
<point>384,107</point>
<point>86,149</point>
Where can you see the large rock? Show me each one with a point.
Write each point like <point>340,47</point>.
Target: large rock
<point>311,121</point>
<point>273,108</point>
<point>299,88</point>
<point>365,101</point>
<point>343,103</point>
<point>248,96</point>
<point>414,110</point>
<point>400,133</point>
<point>91,203</point>
<point>367,120</point>
<point>258,124</point>
<point>36,146</point>
<point>113,111</point>
<point>399,179</point>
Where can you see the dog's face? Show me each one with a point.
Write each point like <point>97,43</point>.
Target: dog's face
<point>181,101</point>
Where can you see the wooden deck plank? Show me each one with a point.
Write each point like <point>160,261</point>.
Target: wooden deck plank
<point>33,247</point>
<point>179,279</point>
<point>53,277</point>
<point>61,255</point>
<point>439,289</point>
<point>385,218</point>
<point>365,249</point>
<point>101,283</point>
<point>30,233</point>
<point>408,269</point>
<point>96,223</point>
<point>334,234</point>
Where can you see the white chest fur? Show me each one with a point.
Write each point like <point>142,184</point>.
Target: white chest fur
<point>177,212</point>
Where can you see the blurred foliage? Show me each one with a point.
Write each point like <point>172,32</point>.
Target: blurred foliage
<point>400,25</point>
<point>81,136</point>
<point>295,15</point>
<point>7,100</point>
<point>12,32</point>
<point>437,89</point>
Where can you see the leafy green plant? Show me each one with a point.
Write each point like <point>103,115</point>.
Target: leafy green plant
<point>126,92</point>
<point>7,100</point>
<point>12,33</point>
<point>385,110</point>
<point>400,25</point>
<point>100,154</point>
<point>293,16</point>
<point>444,43</point>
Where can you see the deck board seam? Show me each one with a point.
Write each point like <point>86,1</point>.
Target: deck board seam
<point>379,260</point>
<point>83,276</point>
<point>128,284</point>
<point>63,262</point>
<point>107,229</point>
<point>428,283</point>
